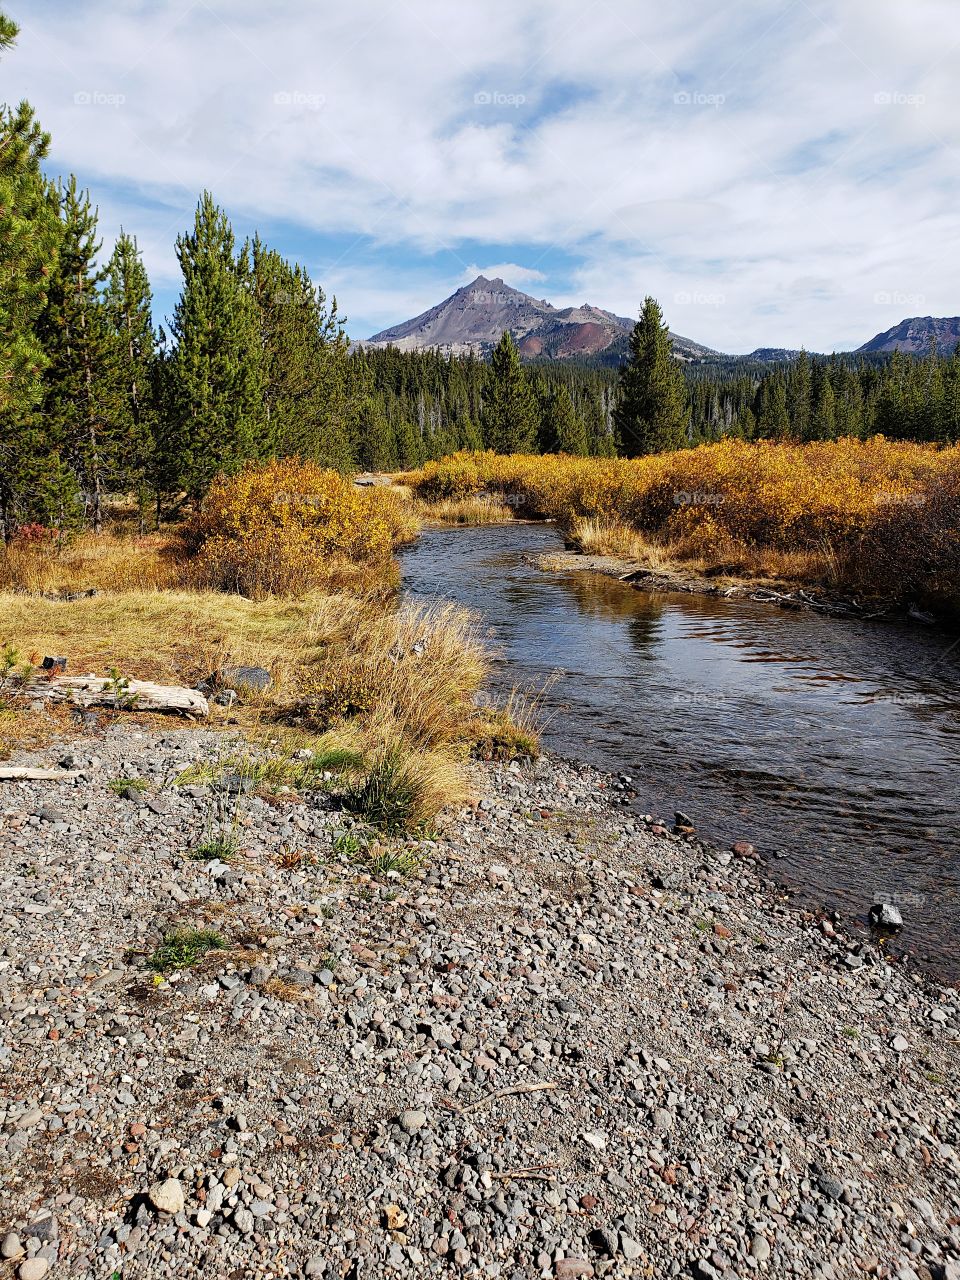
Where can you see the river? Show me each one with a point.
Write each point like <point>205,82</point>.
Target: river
<point>831,745</point>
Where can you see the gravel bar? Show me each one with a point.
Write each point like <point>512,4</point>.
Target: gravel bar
<point>571,1043</point>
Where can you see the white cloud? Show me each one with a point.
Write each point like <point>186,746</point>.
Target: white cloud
<point>798,160</point>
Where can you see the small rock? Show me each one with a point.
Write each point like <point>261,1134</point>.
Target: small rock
<point>413,1121</point>
<point>50,813</point>
<point>831,1187</point>
<point>394,1218</point>
<point>11,1246</point>
<point>596,1140</point>
<point>899,1044</point>
<point>760,1248</point>
<point>167,1197</point>
<point>629,1248</point>
<point>743,849</point>
<point>253,679</point>
<point>886,916</point>
<point>573,1269</point>
<point>44,1230</point>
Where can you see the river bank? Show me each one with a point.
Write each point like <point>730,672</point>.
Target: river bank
<point>566,1043</point>
<point>776,591</point>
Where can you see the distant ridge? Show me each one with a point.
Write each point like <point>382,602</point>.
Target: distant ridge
<point>914,336</point>
<point>473,319</point>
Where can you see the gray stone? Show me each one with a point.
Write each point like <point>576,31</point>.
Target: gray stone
<point>33,1269</point>
<point>760,1248</point>
<point>249,679</point>
<point>886,916</point>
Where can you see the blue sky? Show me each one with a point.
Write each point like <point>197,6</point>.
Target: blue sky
<point>775,172</point>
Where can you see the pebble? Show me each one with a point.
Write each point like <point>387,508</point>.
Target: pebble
<point>413,1121</point>
<point>11,1246</point>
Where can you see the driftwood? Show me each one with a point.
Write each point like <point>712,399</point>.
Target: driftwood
<point>9,773</point>
<point>121,695</point>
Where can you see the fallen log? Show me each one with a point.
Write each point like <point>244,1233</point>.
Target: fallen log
<point>121,695</point>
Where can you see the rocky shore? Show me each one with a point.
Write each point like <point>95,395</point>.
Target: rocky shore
<point>554,1040</point>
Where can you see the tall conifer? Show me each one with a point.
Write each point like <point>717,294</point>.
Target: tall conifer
<point>651,413</point>
<point>217,368</point>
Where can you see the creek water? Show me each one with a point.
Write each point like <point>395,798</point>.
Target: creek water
<point>832,745</point>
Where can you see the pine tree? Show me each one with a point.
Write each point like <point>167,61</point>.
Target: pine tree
<point>127,304</point>
<point>824,422</point>
<point>510,416</point>
<point>651,413</point>
<point>376,443</point>
<point>82,392</point>
<point>303,347</point>
<point>773,419</point>
<point>29,239</point>
<point>564,431</point>
<point>217,368</point>
<point>799,397</point>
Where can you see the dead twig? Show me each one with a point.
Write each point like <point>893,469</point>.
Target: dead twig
<point>506,1093</point>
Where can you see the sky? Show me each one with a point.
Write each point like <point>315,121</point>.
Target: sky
<point>775,173</point>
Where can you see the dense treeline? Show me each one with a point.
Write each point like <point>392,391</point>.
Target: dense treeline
<point>96,400</point>
<point>433,404</point>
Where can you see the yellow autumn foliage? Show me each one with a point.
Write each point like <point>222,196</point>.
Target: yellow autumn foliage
<point>290,526</point>
<point>884,515</point>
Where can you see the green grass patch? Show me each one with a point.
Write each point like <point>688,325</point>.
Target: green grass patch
<point>183,948</point>
<point>221,848</point>
<point>390,797</point>
<point>119,785</point>
<point>403,862</point>
<point>348,844</point>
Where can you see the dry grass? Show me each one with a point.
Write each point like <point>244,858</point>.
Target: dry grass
<point>476,510</point>
<point>393,688</point>
<point>879,517</point>
<point>416,669</point>
<point>608,538</point>
<point>383,684</point>
<point>175,637</point>
<point>728,557</point>
<point>111,562</point>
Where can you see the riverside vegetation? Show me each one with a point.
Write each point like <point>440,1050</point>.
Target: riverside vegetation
<point>288,567</point>
<point>874,516</point>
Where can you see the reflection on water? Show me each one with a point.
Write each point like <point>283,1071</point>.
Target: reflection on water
<point>833,746</point>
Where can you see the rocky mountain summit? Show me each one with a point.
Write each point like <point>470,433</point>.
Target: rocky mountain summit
<point>474,318</point>
<point>556,1039</point>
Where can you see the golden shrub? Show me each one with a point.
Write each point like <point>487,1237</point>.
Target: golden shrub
<point>287,527</point>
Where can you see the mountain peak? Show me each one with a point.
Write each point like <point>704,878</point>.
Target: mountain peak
<point>474,318</point>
